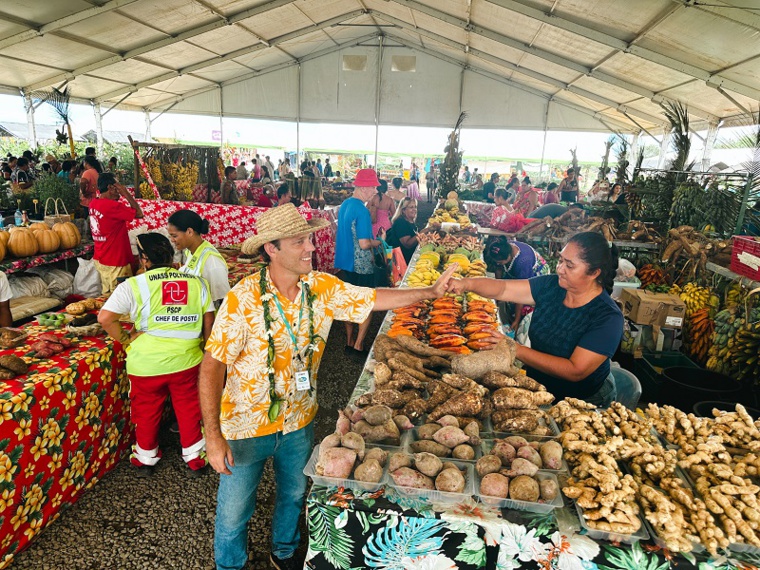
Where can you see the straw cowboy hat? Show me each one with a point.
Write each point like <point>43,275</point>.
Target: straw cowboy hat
<point>281,222</point>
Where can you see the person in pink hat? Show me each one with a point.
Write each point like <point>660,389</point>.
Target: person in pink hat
<point>353,246</point>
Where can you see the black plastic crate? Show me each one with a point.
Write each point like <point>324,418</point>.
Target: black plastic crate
<point>649,371</point>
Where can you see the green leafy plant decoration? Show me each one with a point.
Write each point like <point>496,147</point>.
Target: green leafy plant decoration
<point>632,558</point>
<point>335,544</point>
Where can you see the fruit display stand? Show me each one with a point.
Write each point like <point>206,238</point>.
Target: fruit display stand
<point>63,426</point>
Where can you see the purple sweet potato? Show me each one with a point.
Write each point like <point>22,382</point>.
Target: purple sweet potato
<point>495,485</point>
<point>408,477</point>
<point>488,464</point>
<point>450,481</point>
<point>398,460</point>
<point>527,452</point>
<point>428,464</point>
<point>463,451</point>
<point>430,447</point>
<point>379,455</point>
<point>551,455</point>
<point>370,471</point>
<point>337,462</point>
<point>503,451</point>
<point>450,436</point>
<point>426,431</point>
<point>524,488</point>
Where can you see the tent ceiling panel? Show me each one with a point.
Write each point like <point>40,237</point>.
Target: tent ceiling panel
<point>747,73</point>
<point>515,107</point>
<point>324,9</point>
<point>279,21</point>
<point>228,7</point>
<point>92,87</point>
<point>256,97</point>
<point>221,71</point>
<point>710,99</point>
<point>16,73</point>
<point>54,51</point>
<point>182,84</point>
<point>500,50</point>
<point>406,94</point>
<point>742,16</point>
<point>203,103</point>
<point>684,37</point>
<point>260,59</point>
<point>512,24</point>
<point>43,11</point>
<point>642,72</point>
<point>583,101</point>
<point>564,118</point>
<point>224,40</point>
<point>170,16</point>
<point>548,68</point>
<point>114,30</point>
<point>129,71</point>
<point>439,27</point>
<point>454,7</point>
<point>571,46</point>
<point>391,8</point>
<point>605,89</point>
<point>302,48</point>
<point>8,29</point>
<point>178,55</point>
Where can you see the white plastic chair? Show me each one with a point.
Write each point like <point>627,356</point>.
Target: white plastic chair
<point>628,387</point>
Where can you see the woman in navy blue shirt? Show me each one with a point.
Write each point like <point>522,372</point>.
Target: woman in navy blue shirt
<point>576,326</point>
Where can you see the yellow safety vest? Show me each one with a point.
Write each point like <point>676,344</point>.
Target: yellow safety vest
<point>170,310</point>
<point>195,264</point>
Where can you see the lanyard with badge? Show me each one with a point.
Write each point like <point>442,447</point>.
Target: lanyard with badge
<point>299,356</point>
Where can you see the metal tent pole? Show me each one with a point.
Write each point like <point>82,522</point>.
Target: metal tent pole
<point>32,136</point>
<point>98,127</point>
<point>298,123</point>
<point>543,147</point>
<point>148,124</point>
<point>378,83</point>
<point>712,135</point>
<point>664,144</point>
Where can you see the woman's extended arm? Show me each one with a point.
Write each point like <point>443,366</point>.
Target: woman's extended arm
<point>581,363</point>
<point>511,290</point>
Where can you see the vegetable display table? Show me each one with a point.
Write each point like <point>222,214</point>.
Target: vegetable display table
<point>62,427</point>
<point>15,265</point>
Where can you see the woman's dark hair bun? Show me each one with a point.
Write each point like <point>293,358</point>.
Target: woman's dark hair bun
<point>184,219</point>
<point>204,226</point>
<point>598,253</point>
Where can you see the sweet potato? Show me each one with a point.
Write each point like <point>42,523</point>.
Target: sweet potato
<point>427,464</point>
<point>516,441</point>
<point>522,466</point>
<point>370,471</point>
<point>504,451</point>
<point>449,465</point>
<point>495,485</point>
<point>548,489</point>
<point>408,477</point>
<point>335,462</point>
<point>377,415</point>
<point>426,431</point>
<point>433,447</point>
<point>448,420</point>
<point>379,455</point>
<point>473,431</point>
<point>402,422</point>
<point>524,488</point>
<point>450,436</point>
<point>450,481</point>
<point>488,464</point>
<point>551,455</point>
<point>527,452</point>
<point>354,441</point>
<point>463,451</point>
<point>397,460</point>
<point>332,440</point>
<point>343,424</point>
<point>465,420</point>
<point>388,432</point>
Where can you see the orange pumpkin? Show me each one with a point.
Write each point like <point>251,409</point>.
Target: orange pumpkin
<point>39,226</point>
<point>48,240</point>
<point>2,250</point>
<point>4,237</point>
<point>68,233</point>
<point>22,243</point>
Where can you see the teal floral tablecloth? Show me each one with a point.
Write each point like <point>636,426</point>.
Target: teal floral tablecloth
<point>386,531</point>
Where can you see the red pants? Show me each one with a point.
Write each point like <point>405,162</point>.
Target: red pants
<point>148,394</point>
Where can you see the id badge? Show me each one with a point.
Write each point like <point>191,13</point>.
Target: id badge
<point>302,380</point>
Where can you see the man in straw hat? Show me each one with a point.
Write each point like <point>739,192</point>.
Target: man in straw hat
<point>269,336</point>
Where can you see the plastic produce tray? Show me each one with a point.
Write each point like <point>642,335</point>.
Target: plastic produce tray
<point>435,496</point>
<point>549,422</point>
<point>511,504</point>
<point>641,534</point>
<point>411,436</point>
<point>488,444</point>
<point>347,483</point>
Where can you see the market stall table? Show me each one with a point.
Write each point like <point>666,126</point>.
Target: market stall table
<point>63,426</point>
<point>231,225</point>
<point>14,265</point>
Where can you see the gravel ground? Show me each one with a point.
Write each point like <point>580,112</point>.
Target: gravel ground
<point>167,521</point>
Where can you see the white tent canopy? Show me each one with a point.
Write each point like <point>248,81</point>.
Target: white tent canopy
<point>592,65</point>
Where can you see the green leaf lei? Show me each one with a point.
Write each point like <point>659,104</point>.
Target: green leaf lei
<point>275,402</point>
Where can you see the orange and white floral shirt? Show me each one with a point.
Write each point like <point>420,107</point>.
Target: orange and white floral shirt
<point>239,340</point>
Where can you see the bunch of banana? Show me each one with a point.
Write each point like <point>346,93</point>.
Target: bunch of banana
<point>424,274</point>
<point>699,334</point>
<point>651,275</point>
<point>687,205</point>
<point>477,269</point>
<point>635,205</point>
<point>463,220</point>
<point>735,295</point>
<point>695,298</point>
<point>658,197</point>
<point>441,216</point>
<point>154,167</point>
<point>745,353</point>
<point>145,192</point>
<point>675,289</point>
<point>726,326</point>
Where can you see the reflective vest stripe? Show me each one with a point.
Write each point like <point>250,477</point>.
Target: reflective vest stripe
<point>173,334</point>
<point>143,302</point>
<point>206,250</point>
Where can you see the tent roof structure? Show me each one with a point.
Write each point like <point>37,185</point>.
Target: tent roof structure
<point>19,130</point>
<point>599,64</point>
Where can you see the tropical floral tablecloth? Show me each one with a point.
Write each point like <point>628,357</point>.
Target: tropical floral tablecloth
<point>231,225</point>
<point>386,530</point>
<point>62,427</point>
<point>14,265</point>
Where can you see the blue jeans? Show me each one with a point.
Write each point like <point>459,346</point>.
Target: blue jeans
<point>236,499</point>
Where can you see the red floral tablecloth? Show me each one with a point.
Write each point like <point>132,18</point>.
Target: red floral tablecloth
<point>62,427</point>
<point>14,265</point>
<point>231,225</point>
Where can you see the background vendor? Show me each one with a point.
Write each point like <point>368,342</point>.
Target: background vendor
<point>186,230</point>
<point>404,229</point>
<point>576,326</point>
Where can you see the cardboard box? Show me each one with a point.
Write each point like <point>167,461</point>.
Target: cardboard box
<point>648,308</point>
